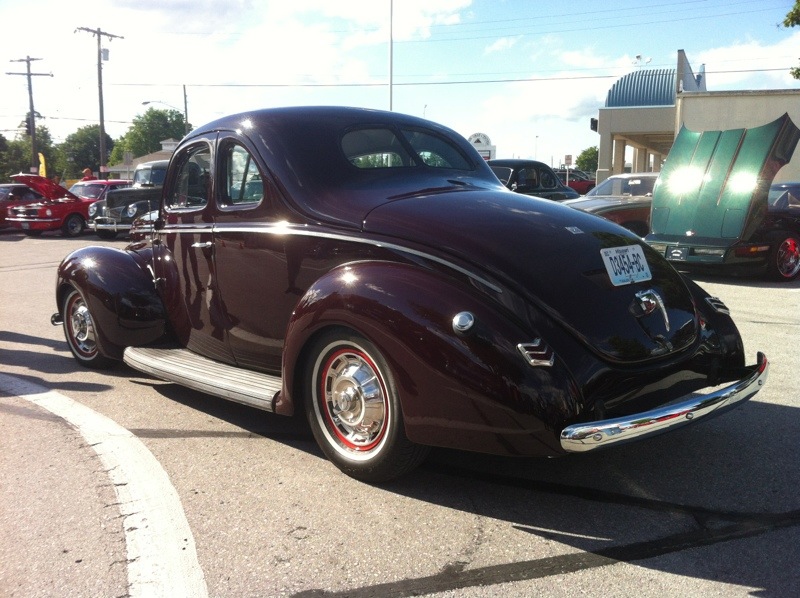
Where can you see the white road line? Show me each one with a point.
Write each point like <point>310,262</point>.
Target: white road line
<point>162,558</point>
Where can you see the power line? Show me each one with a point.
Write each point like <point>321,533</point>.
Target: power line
<point>31,118</point>
<point>99,34</point>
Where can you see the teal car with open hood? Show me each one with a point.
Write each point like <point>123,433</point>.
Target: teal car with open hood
<point>711,204</point>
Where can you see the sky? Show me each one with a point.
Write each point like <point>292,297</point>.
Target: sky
<point>527,73</point>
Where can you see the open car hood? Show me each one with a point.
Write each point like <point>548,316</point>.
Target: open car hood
<point>45,186</point>
<point>714,184</point>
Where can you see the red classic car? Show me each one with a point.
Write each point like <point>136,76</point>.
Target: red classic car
<point>61,209</point>
<point>15,194</point>
<point>577,180</point>
<point>369,269</point>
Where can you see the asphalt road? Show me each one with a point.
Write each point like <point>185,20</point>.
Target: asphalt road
<point>114,484</point>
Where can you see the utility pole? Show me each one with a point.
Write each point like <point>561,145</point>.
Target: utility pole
<point>31,120</point>
<point>98,33</point>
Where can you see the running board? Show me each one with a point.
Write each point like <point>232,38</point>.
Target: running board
<point>206,375</point>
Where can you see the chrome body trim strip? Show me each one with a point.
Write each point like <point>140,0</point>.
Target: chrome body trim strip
<point>31,219</point>
<point>285,229</point>
<point>589,436</point>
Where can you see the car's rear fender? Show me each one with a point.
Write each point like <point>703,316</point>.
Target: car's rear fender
<point>464,390</point>
<point>119,290</point>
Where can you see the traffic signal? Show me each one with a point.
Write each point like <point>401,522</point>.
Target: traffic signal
<point>593,124</point>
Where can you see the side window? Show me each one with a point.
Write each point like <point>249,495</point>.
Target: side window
<point>192,185</point>
<point>243,184</point>
<point>528,177</point>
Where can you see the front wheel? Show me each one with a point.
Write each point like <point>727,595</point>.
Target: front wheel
<point>784,258</point>
<point>354,411</point>
<point>73,226</point>
<point>81,333</point>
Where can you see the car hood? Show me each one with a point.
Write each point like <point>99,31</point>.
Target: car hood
<point>714,184</point>
<point>601,202</point>
<point>550,255</point>
<point>50,190</point>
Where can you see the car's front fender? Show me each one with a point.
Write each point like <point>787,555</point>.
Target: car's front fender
<point>119,291</point>
<point>464,390</point>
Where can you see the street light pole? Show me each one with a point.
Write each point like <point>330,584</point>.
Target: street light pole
<point>185,109</point>
<point>98,33</point>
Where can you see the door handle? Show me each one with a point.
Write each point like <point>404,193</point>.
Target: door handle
<point>202,245</point>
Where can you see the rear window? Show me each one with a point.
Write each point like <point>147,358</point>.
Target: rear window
<point>383,148</point>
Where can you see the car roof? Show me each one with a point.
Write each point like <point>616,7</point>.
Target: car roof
<point>303,146</point>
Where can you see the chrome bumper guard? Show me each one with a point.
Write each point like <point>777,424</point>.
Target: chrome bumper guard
<point>589,436</point>
<point>109,224</point>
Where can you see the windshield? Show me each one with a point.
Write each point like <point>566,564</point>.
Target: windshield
<point>622,186</point>
<point>149,176</point>
<point>88,190</point>
<point>784,196</point>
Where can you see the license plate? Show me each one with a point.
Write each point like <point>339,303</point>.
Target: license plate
<point>677,253</point>
<point>626,265</point>
<point>25,226</point>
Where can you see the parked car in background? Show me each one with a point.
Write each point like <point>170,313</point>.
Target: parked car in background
<point>715,205</point>
<point>121,207</point>
<point>97,189</point>
<point>60,208</point>
<point>577,180</point>
<point>622,198</point>
<point>369,269</point>
<point>15,194</point>
<point>530,177</point>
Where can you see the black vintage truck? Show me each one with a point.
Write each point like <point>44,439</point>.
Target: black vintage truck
<point>116,213</point>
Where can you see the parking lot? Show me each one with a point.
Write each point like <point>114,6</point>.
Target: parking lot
<point>711,509</point>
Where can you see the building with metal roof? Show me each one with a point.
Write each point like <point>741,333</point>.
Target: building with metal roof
<point>645,109</point>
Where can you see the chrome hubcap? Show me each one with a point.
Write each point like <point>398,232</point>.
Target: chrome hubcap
<point>354,400</point>
<point>82,328</point>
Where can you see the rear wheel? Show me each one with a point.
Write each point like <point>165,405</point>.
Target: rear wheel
<point>354,411</point>
<point>784,258</point>
<point>73,226</point>
<point>81,332</point>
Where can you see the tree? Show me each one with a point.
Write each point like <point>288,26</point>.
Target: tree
<point>792,20</point>
<point>15,155</point>
<point>81,150</point>
<point>587,159</point>
<point>148,131</point>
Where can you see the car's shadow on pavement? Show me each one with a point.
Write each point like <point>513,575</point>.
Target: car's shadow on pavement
<point>655,504</point>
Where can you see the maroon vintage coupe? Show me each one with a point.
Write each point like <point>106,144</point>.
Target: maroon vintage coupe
<point>368,268</point>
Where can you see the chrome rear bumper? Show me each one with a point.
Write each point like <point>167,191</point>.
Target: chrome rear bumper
<point>589,436</point>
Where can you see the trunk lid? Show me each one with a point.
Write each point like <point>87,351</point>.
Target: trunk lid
<point>552,255</point>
